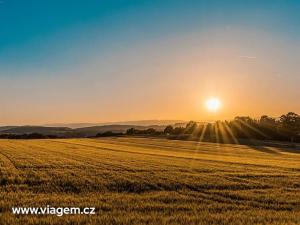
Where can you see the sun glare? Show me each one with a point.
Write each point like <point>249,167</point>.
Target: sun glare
<point>213,104</point>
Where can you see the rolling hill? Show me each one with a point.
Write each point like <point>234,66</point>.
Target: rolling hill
<point>69,132</point>
<point>130,123</point>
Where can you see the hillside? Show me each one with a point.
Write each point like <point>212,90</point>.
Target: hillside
<point>7,128</point>
<point>91,131</point>
<point>143,123</point>
<point>69,132</point>
<point>36,129</point>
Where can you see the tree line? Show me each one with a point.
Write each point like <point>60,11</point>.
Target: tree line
<point>284,128</point>
<point>27,136</point>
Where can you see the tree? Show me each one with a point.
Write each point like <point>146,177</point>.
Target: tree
<point>269,126</point>
<point>267,121</point>
<point>150,131</point>
<point>178,130</point>
<point>244,119</point>
<point>190,127</point>
<point>131,131</point>
<point>291,124</point>
<point>168,130</point>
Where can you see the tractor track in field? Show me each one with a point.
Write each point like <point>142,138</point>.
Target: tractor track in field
<point>169,155</point>
<point>200,147</point>
<point>160,145</point>
<point>67,156</point>
<point>7,160</point>
<point>84,160</point>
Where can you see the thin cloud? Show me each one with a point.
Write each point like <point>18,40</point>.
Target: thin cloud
<point>247,57</point>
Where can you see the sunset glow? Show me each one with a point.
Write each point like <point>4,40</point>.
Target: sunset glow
<point>213,104</point>
<point>147,60</point>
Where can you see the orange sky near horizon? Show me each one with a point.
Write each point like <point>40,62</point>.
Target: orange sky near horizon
<point>253,73</point>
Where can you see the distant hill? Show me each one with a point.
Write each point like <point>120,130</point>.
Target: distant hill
<point>131,123</point>
<point>69,132</point>
<point>35,129</point>
<point>7,128</point>
<point>91,131</point>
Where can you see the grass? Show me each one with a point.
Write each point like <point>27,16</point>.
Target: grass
<point>149,181</point>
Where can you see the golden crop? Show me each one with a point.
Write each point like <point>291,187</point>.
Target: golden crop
<point>149,181</point>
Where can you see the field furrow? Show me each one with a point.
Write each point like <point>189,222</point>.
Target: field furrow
<point>150,181</point>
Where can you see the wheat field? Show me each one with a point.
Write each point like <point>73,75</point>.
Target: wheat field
<point>149,181</point>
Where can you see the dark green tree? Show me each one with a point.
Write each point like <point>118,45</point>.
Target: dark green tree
<point>190,127</point>
<point>131,131</point>
<point>291,124</point>
<point>168,130</point>
<point>267,121</point>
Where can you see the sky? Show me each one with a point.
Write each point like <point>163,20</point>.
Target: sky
<point>77,61</point>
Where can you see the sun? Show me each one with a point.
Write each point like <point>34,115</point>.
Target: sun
<point>213,104</point>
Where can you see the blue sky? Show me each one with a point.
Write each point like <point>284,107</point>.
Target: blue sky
<point>50,41</point>
<point>42,33</point>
